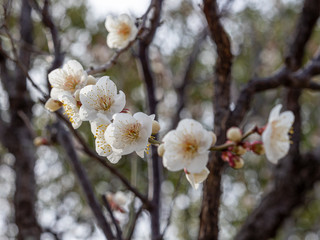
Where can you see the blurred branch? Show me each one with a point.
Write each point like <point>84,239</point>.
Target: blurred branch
<point>66,142</point>
<point>48,22</point>
<point>134,223</point>
<point>154,166</point>
<point>175,194</point>
<point>295,176</point>
<point>209,217</point>
<point>186,77</point>
<point>287,76</point>
<point>107,205</point>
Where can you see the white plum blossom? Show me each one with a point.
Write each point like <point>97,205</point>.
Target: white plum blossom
<point>68,79</point>
<point>71,108</point>
<point>127,134</point>
<point>121,30</point>
<point>101,98</point>
<point>275,137</point>
<point>98,128</point>
<point>196,178</point>
<point>187,147</point>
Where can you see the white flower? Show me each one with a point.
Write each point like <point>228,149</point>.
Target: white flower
<point>121,30</point>
<point>196,178</point>
<point>67,80</point>
<point>101,98</point>
<point>71,108</point>
<point>98,128</point>
<point>129,133</point>
<point>187,147</point>
<point>275,136</point>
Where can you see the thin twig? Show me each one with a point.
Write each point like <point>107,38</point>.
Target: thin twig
<point>134,223</point>
<point>114,220</point>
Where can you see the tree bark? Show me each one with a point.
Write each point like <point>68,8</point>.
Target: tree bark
<point>17,138</point>
<point>209,218</point>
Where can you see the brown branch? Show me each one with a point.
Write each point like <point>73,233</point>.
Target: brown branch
<point>209,216</point>
<point>286,76</point>
<point>295,176</point>
<point>66,142</point>
<point>154,165</point>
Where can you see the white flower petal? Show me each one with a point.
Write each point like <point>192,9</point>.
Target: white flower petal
<point>187,147</point>
<point>196,178</point>
<point>275,136</point>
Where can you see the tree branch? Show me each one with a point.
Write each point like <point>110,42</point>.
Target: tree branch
<point>209,217</point>
<point>294,177</point>
<point>66,142</point>
<point>154,165</point>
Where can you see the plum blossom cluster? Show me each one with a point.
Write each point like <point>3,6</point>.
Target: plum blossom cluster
<point>98,101</point>
<point>117,132</point>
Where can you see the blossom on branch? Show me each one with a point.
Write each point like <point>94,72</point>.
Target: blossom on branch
<point>121,30</point>
<point>101,98</point>
<point>276,134</point>
<point>127,134</point>
<point>70,78</point>
<point>187,147</point>
<point>98,128</point>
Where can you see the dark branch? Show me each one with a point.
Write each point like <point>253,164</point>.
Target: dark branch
<point>209,216</point>
<point>66,142</point>
<point>294,177</point>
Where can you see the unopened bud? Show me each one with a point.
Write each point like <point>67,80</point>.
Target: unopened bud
<point>257,147</point>
<point>91,80</point>
<point>234,134</point>
<point>77,95</point>
<point>238,163</point>
<point>214,139</point>
<point>53,105</point>
<point>239,150</point>
<point>38,141</point>
<point>155,127</point>
<point>161,150</point>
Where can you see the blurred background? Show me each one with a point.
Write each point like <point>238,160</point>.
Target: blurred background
<point>259,31</point>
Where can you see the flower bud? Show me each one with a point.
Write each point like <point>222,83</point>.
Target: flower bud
<point>238,163</point>
<point>239,150</point>
<point>257,147</point>
<point>234,134</point>
<point>214,139</point>
<point>38,141</point>
<point>161,150</point>
<point>77,95</point>
<point>155,127</point>
<point>53,105</point>
<point>91,80</point>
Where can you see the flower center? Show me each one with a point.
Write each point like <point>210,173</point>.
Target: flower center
<point>71,83</point>
<point>124,30</point>
<point>189,147</point>
<point>105,103</point>
<point>132,132</point>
